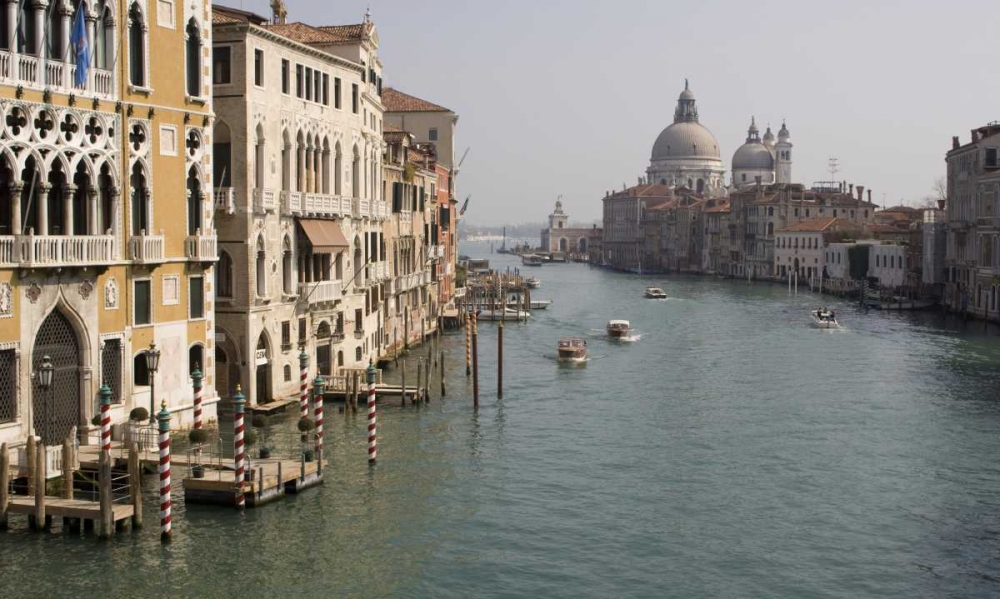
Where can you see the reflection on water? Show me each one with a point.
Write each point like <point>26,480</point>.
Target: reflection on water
<point>734,451</point>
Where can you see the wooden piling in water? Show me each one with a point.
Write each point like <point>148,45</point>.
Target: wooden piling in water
<point>500,360</point>
<point>420,368</point>
<point>403,385</point>
<point>31,456</point>
<point>442,374</point>
<point>105,526</point>
<point>67,469</point>
<point>135,485</point>
<point>427,380</point>
<point>40,476</point>
<point>475,364</point>
<point>4,484</point>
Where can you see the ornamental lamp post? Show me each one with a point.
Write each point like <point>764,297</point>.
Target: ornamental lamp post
<point>152,365</point>
<point>44,374</point>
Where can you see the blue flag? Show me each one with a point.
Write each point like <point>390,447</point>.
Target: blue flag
<point>78,41</point>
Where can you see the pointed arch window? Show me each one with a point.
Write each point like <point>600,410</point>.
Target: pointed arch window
<point>140,201</point>
<point>193,59</point>
<point>224,275</point>
<point>286,266</point>
<point>261,260</point>
<point>137,46</point>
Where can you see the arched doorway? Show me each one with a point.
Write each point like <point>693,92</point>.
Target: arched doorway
<point>56,410</point>
<point>323,349</point>
<point>562,244</point>
<point>583,245</point>
<point>262,360</point>
<point>221,372</point>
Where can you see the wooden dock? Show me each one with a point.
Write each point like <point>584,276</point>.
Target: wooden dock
<point>273,407</point>
<point>267,480</point>
<point>80,509</point>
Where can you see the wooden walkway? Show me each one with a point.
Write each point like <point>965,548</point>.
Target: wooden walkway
<point>68,508</point>
<point>267,480</point>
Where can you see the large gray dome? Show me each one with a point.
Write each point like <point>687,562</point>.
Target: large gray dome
<point>753,156</point>
<point>685,139</point>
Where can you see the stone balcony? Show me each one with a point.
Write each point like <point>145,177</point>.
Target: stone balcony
<point>146,249</point>
<point>202,247</point>
<point>435,252</point>
<point>378,271</point>
<point>225,200</point>
<point>56,251</point>
<point>313,204</point>
<point>319,292</point>
<point>33,72</point>
<point>264,200</point>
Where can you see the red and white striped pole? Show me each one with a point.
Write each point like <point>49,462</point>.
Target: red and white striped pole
<point>303,383</point>
<point>372,432</point>
<point>164,469</point>
<point>105,418</point>
<point>318,412</point>
<point>196,378</point>
<point>239,403</point>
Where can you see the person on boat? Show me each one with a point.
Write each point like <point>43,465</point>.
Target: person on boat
<point>833,315</point>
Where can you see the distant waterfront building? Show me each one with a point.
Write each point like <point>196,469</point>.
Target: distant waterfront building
<point>934,231</point>
<point>560,238</point>
<point>973,212</point>
<point>686,153</point>
<point>802,247</point>
<point>623,214</point>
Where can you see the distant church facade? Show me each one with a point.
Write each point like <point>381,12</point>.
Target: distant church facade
<point>560,238</point>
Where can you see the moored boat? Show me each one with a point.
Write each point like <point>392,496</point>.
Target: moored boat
<point>824,319</point>
<point>618,329</point>
<point>532,283</point>
<point>572,349</point>
<point>655,293</point>
<point>531,260</point>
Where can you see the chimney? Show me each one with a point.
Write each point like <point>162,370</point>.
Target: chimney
<point>851,189</point>
<point>869,196</point>
<point>840,187</point>
<point>861,193</point>
<point>954,142</point>
<point>940,204</point>
<point>975,136</point>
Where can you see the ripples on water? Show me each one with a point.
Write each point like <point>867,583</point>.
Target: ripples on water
<point>732,451</point>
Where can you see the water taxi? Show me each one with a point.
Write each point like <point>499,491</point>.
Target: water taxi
<point>532,283</point>
<point>572,349</point>
<point>824,319</point>
<point>655,293</point>
<point>617,329</point>
<point>531,260</point>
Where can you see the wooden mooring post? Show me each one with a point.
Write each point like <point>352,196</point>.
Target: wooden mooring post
<point>500,360</point>
<point>30,452</point>
<point>39,521</point>
<point>135,484</point>
<point>67,481</point>
<point>106,525</point>
<point>475,363</point>
<point>420,371</point>
<point>403,384</point>
<point>442,374</point>
<point>427,380</point>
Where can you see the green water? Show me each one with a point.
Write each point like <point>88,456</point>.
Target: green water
<point>732,451</point>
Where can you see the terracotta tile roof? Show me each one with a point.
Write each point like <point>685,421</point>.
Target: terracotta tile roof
<point>396,101</point>
<point>304,34</point>
<point>225,15</point>
<point>644,191</point>
<point>884,228</point>
<point>347,33</point>
<point>722,207</point>
<point>387,127</point>
<point>394,135</point>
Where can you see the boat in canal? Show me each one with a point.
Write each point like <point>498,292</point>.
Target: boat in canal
<point>506,315</point>
<point>572,349</point>
<point>655,293</point>
<point>619,329</point>
<point>532,283</point>
<point>824,319</point>
<point>531,260</point>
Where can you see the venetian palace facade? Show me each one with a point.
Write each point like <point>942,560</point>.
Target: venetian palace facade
<point>106,242</point>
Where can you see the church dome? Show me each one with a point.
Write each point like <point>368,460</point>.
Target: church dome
<point>686,139</point>
<point>753,156</point>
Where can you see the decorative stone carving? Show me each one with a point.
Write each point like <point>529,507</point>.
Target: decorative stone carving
<point>111,294</point>
<point>6,300</point>
<point>86,288</point>
<point>33,292</point>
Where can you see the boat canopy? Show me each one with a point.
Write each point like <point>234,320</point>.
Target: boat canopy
<point>618,323</point>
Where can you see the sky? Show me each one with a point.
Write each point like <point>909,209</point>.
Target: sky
<point>566,97</point>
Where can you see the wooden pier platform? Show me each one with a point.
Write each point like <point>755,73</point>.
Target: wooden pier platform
<point>149,457</point>
<point>269,480</point>
<point>68,508</point>
<point>273,407</point>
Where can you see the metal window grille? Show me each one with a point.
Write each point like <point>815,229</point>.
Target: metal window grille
<point>57,410</point>
<point>111,368</point>
<point>8,386</point>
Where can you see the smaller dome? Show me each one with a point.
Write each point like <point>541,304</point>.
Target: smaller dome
<point>768,137</point>
<point>753,156</point>
<point>783,133</point>
<point>687,94</point>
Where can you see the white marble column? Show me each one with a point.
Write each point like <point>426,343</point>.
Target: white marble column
<point>68,195</point>
<point>43,208</point>
<point>15,207</point>
<point>93,213</point>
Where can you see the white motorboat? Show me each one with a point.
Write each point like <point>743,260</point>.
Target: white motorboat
<point>532,283</point>
<point>572,349</point>
<point>619,329</point>
<point>655,293</point>
<point>824,319</point>
<point>507,315</point>
<point>531,260</point>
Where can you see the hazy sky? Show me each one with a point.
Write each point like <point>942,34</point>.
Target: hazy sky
<point>566,97</point>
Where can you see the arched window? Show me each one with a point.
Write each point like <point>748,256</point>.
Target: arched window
<point>286,266</point>
<point>103,51</point>
<point>288,373</point>
<point>338,171</point>
<point>357,354</point>
<point>770,229</point>
<point>53,42</point>
<point>140,373</point>
<point>27,36</point>
<point>140,201</point>
<point>224,275</point>
<point>196,358</point>
<point>193,51</point>
<point>286,161</point>
<point>136,46</point>
<point>261,268</point>
<point>356,174</point>
<point>194,202</point>
<point>340,358</point>
<point>222,154</point>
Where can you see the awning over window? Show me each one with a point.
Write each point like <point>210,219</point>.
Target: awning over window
<point>325,236</point>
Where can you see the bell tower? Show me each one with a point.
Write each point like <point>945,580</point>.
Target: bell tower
<point>783,156</point>
<point>558,218</point>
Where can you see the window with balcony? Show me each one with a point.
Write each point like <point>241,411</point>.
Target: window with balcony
<point>302,331</point>
<point>258,158</point>
<point>221,65</point>
<point>137,46</point>
<point>139,201</point>
<point>194,202</point>
<point>196,297</point>
<point>338,171</point>
<point>356,174</point>
<point>192,47</point>
<point>222,154</point>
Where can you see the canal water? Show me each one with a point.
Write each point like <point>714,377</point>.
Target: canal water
<point>732,451</point>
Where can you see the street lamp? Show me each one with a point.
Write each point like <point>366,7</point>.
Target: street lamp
<point>152,365</point>
<point>44,374</point>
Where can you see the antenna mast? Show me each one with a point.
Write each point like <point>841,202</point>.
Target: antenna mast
<point>833,167</point>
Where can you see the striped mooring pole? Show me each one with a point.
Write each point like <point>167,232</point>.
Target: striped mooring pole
<point>372,432</point>
<point>239,403</point>
<point>318,383</point>
<point>303,383</point>
<point>105,418</point>
<point>196,378</point>
<point>163,418</point>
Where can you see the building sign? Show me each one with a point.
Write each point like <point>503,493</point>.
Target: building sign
<point>260,356</point>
